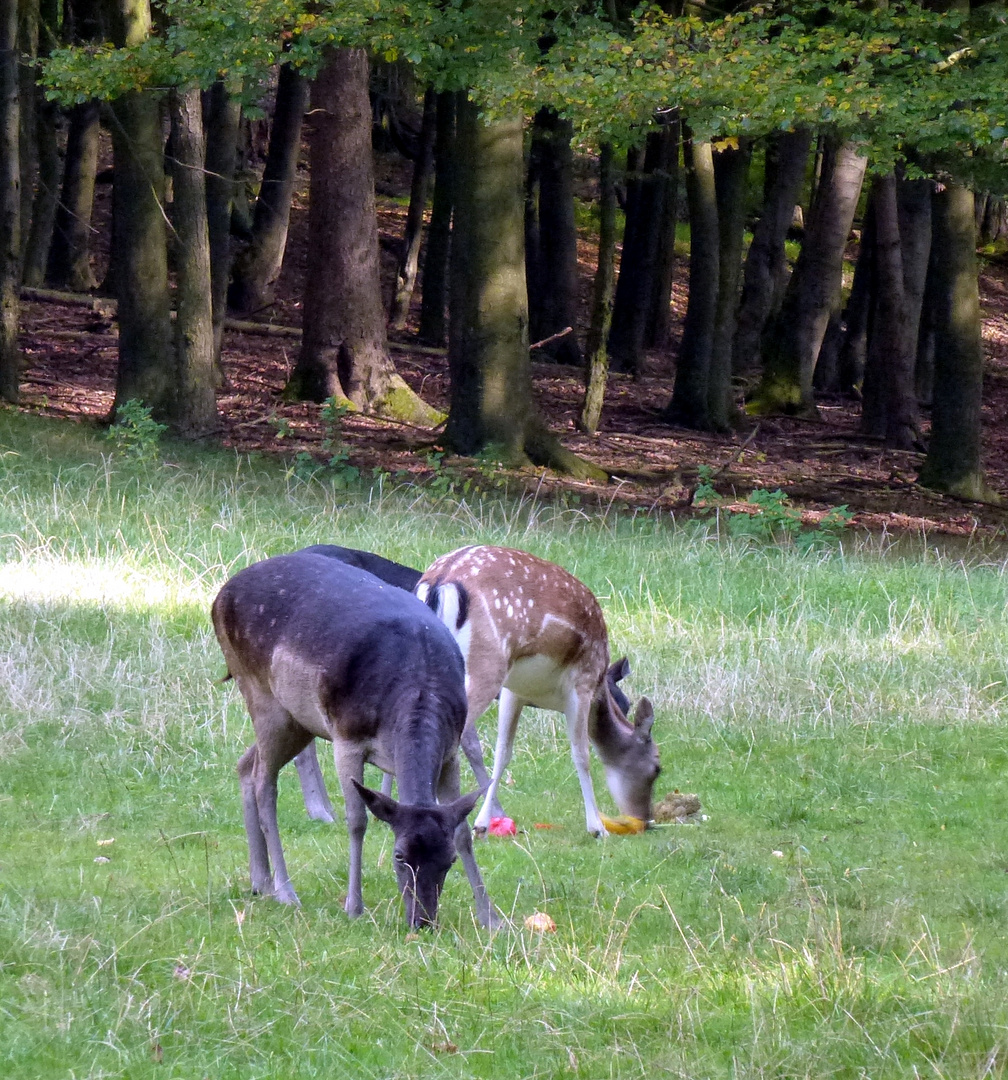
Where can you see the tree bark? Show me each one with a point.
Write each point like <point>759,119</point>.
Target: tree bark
<point>194,330</point>
<point>434,296</point>
<point>28,148</point>
<point>953,462</point>
<point>791,351</point>
<point>221,117</point>
<point>691,393</point>
<point>258,266</point>
<point>10,206</point>
<point>890,405</point>
<point>597,370</point>
<point>656,332</point>
<point>344,352</point>
<point>409,257</point>
<point>766,263</point>
<point>731,176</point>
<point>69,265</point>
<point>857,313</point>
<point>488,354</point>
<point>554,302</point>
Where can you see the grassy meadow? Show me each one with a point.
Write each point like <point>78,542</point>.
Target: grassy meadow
<point>841,712</point>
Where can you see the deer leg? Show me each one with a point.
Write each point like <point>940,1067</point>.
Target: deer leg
<point>350,766</point>
<point>578,706</point>
<point>485,674</point>
<point>508,711</point>
<point>259,868</point>
<point>449,788</point>
<point>316,798</point>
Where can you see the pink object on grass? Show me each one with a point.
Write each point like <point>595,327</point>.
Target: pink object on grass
<point>502,826</point>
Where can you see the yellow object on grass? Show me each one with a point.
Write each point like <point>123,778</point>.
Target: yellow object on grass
<point>623,824</point>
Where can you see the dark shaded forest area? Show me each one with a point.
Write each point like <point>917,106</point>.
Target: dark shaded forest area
<point>71,351</point>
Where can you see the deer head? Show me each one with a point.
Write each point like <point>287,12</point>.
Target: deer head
<point>424,847</point>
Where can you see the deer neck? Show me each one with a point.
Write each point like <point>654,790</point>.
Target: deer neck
<point>610,736</point>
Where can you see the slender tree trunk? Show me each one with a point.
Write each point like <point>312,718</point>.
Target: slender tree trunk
<point>656,333</point>
<point>257,268</point>
<point>605,279</point>
<point>28,148</point>
<point>731,178</point>
<point>953,461</point>
<point>691,393</point>
<point>344,351</point>
<point>221,116</point>
<point>70,253</point>
<point>488,354</point>
<point>791,351</point>
<point>914,206</point>
<point>556,299</point>
<point>857,314</point>
<point>194,331</point>
<point>409,257</point>
<point>766,263</point>
<point>434,296</point>
<point>10,206</point>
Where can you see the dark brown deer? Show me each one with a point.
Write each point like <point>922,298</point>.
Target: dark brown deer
<point>316,798</point>
<point>322,649</point>
<point>532,632</point>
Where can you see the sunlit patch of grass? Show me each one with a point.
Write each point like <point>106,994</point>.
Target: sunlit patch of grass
<point>841,714</point>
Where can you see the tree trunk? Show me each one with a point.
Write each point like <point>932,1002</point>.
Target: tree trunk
<point>258,266</point>
<point>435,268</point>
<point>221,117</point>
<point>857,313</point>
<point>914,207</point>
<point>28,149</point>
<point>194,331</point>
<point>731,178</point>
<point>344,351</point>
<point>766,263</point>
<point>554,304</point>
<point>10,206</point>
<point>488,354</point>
<point>691,393</point>
<point>146,371</point>
<point>69,263</point>
<point>409,257</point>
<point>791,351</point>
<point>605,278</point>
<point>890,405</point>
<point>656,332</point>
<point>953,458</point>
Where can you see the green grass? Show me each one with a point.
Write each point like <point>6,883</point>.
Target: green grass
<point>843,912</point>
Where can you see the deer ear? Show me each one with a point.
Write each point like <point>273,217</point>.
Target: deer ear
<point>456,812</point>
<point>619,670</point>
<point>382,806</point>
<point>643,717</point>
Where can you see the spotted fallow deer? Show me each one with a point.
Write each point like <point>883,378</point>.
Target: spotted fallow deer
<point>535,633</point>
<point>319,648</point>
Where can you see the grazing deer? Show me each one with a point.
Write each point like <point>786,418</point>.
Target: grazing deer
<point>313,789</point>
<point>322,649</point>
<point>530,630</point>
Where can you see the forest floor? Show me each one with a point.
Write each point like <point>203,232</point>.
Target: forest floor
<point>71,352</point>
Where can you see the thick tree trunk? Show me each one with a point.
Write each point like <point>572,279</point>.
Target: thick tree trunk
<point>597,370</point>
<point>953,458</point>
<point>488,354</point>
<point>10,206</point>
<point>258,266</point>
<point>194,331</point>
<point>146,371</point>
<point>409,256</point>
<point>857,313</point>
<point>766,263</point>
<point>433,299</point>
<point>344,351</point>
<point>791,351</point>
<point>221,117</point>
<point>69,265</point>
<point>890,405</point>
<point>691,393</point>
<point>731,177</point>
<point>914,207</point>
<point>554,302</point>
